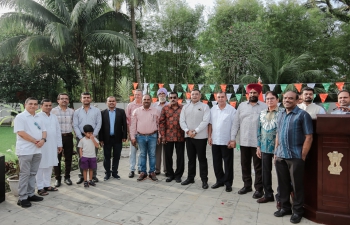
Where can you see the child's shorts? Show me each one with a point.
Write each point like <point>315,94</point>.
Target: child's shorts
<point>88,163</point>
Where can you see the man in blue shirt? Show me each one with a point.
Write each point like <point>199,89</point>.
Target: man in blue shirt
<point>293,142</point>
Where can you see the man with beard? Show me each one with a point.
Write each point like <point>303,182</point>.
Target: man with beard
<point>344,103</point>
<point>172,135</point>
<point>161,93</point>
<point>307,105</point>
<point>194,120</point>
<point>86,114</point>
<point>144,131</point>
<point>293,142</point>
<point>246,121</point>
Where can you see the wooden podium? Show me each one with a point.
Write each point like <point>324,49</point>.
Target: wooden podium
<point>327,171</point>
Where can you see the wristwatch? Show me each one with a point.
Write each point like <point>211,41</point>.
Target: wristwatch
<point>194,132</point>
<point>43,139</point>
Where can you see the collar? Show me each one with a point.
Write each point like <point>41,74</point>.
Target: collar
<point>195,103</point>
<point>150,108</point>
<point>218,108</point>
<point>136,103</point>
<point>44,113</point>
<point>110,110</point>
<point>90,107</point>
<point>258,102</point>
<point>26,113</point>
<point>275,109</point>
<point>177,104</point>
<point>295,110</point>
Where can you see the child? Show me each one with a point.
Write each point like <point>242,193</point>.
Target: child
<point>87,154</point>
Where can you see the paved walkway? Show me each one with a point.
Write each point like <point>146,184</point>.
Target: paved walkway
<point>127,201</point>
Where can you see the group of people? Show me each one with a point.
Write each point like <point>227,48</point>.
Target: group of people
<point>267,134</point>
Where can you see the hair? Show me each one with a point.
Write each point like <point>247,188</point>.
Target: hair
<point>307,89</point>
<point>139,90</point>
<point>222,92</point>
<point>196,90</point>
<point>111,97</point>
<point>296,94</point>
<point>88,128</point>
<point>147,95</point>
<point>174,93</point>
<point>272,93</point>
<point>59,95</point>
<point>85,93</point>
<point>44,100</point>
<point>30,98</point>
<point>344,91</point>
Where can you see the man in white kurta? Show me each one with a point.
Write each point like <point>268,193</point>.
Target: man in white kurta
<point>49,150</point>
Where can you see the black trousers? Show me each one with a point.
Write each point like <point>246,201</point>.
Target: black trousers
<point>107,153</point>
<point>266,160</point>
<point>247,153</point>
<point>67,142</point>
<point>223,154</point>
<point>291,171</point>
<point>81,170</point>
<point>197,147</point>
<point>180,159</point>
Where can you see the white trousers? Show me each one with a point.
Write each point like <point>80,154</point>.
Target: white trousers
<point>43,177</point>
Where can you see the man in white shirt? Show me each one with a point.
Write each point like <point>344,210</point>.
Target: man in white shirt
<point>307,94</point>
<point>344,103</point>
<point>31,136</point>
<point>194,120</point>
<point>219,132</point>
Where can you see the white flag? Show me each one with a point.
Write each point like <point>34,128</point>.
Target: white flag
<point>272,86</point>
<point>235,87</point>
<point>311,85</point>
<point>264,96</point>
<point>200,86</point>
<point>145,85</point>
<point>228,95</point>
<point>172,86</point>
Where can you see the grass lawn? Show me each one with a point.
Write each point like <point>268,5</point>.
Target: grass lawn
<point>7,138</point>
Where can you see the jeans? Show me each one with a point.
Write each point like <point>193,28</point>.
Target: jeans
<point>132,158</point>
<point>147,144</point>
<point>107,152</point>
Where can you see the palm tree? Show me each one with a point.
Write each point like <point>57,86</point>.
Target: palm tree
<point>132,6</point>
<point>64,29</point>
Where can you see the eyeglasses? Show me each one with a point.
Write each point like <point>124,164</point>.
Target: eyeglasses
<point>37,125</point>
<point>172,97</point>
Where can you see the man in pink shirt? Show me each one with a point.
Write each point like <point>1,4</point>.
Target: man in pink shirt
<point>133,149</point>
<point>144,131</point>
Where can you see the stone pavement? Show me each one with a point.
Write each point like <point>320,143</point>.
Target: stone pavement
<point>127,201</point>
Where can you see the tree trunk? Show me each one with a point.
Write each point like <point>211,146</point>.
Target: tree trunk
<point>84,76</point>
<point>134,38</point>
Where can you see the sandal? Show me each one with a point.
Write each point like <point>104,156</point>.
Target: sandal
<point>50,188</point>
<point>42,192</point>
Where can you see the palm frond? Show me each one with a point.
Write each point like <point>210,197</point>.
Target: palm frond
<point>59,7</point>
<point>77,13</point>
<point>29,22</point>
<point>8,47</point>
<point>110,21</point>
<point>123,89</point>
<point>59,34</point>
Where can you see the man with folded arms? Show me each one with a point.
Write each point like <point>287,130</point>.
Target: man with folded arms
<point>221,120</point>
<point>144,131</point>
<point>246,121</point>
<point>31,136</point>
<point>172,135</point>
<point>194,120</point>
<point>293,142</point>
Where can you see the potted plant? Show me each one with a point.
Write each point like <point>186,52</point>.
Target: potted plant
<point>12,170</point>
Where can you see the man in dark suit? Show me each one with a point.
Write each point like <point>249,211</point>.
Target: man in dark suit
<point>112,135</point>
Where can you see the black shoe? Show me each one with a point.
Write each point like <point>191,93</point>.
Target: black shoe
<point>35,198</point>
<point>157,173</point>
<point>228,189</point>
<point>139,172</point>
<point>258,194</point>
<point>166,174</point>
<point>245,190</point>
<point>92,183</point>
<point>282,212</point>
<point>295,218</point>
<point>169,179</point>
<point>106,177</point>
<point>265,200</point>
<point>80,180</point>
<point>57,183</point>
<point>178,180</point>
<point>205,185</point>
<point>217,185</point>
<point>24,203</point>
<point>68,181</point>
<point>116,177</point>
<point>95,179</point>
<point>187,182</point>
<point>86,184</point>
<point>131,174</point>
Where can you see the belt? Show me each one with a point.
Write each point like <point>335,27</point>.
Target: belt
<point>154,132</point>
<point>67,134</point>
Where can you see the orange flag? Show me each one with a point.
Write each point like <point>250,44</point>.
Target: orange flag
<point>340,85</point>
<point>190,86</point>
<point>261,97</point>
<point>154,100</point>
<point>205,101</point>
<point>298,86</point>
<point>223,87</point>
<point>233,104</point>
<point>135,85</point>
<point>179,101</point>
<point>131,98</point>
<point>216,96</point>
<point>160,85</point>
<point>188,95</point>
<point>337,104</point>
<point>247,96</point>
<point>323,97</point>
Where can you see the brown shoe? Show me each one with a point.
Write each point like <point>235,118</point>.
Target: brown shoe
<point>265,200</point>
<point>153,176</point>
<point>142,176</point>
<point>278,205</point>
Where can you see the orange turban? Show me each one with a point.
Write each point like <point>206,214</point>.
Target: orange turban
<point>256,87</point>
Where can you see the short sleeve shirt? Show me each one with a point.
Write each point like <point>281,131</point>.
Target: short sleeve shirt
<point>88,147</point>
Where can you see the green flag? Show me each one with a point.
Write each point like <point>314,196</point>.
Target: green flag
<point>212,86</point>
<point>180,94</point>
<point>238,96</point>
<point>283,87</point>
<point>152,93</point>
<point>326,106</point>
<point>207,95</point>
<point>184,87</point>
<point>245,86</point>
<point>326,86</point>
<point>315,96</point>
<point>151,85</point>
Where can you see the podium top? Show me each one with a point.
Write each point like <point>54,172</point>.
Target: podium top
<point>336,124</point>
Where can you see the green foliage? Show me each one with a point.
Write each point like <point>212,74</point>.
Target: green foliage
<point>123,89</point>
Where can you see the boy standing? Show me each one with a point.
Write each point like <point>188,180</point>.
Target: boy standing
<point>88,160</point>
